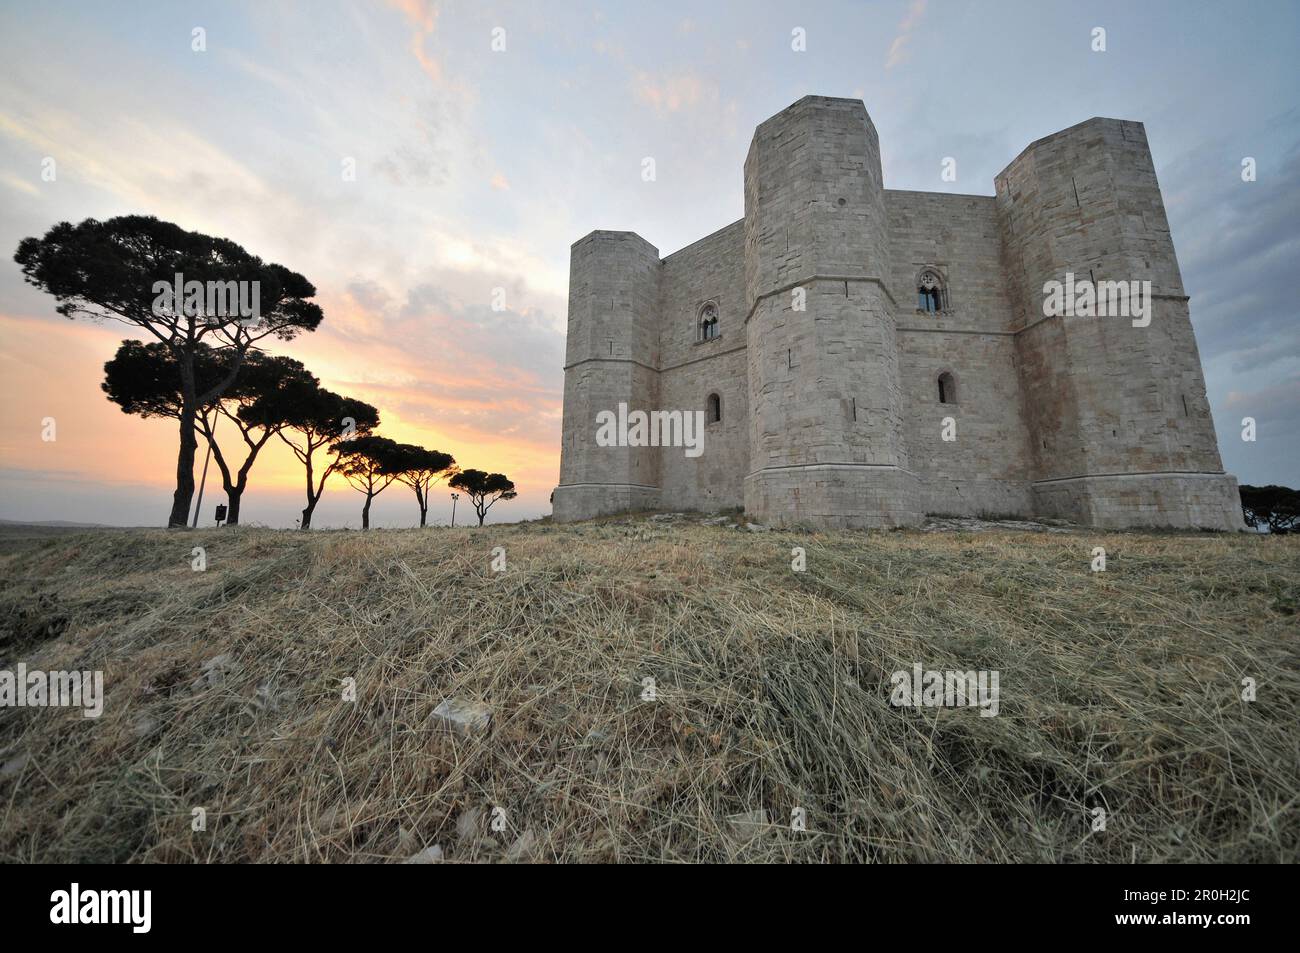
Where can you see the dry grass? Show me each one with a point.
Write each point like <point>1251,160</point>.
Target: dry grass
<point>1118,689</point>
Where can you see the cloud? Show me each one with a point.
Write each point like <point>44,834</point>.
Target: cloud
<point>423,17</point>
<point>11,180</point>
<point>169,162</point>
<point>898,50</point>
<point>1279,403</point>
<point>1235,240</point>
<point>672,93</point>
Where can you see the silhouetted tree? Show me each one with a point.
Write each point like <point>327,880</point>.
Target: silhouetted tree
<point>258,404</point>
<point>368,464</point>
<point>484,489</point>
<point>121,269</point>
<point>143,379</point>
<point>315,418</point>
<point>1277,507</point>
<point>421,469</point>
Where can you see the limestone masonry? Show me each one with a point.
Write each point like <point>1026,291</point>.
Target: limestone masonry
<point>837,334</point>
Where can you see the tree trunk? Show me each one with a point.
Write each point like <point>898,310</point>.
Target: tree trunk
<point>422,500</point>
<point>184,495</point>
<point>235,489</point>
<point>365,512</point>
<point>233,497</point>
<point>306,515</point>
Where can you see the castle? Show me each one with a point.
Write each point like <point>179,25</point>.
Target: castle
<point>863,356</point>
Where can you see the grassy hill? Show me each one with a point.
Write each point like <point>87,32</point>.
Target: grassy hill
<point>223,690</point>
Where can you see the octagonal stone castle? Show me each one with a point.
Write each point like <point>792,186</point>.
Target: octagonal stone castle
<point>864,356</point>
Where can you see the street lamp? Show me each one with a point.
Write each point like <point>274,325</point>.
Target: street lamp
<point>203,482</point>
<point>454,498</point>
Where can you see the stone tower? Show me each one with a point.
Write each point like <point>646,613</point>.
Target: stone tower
<point>825,430</point>
<point>863,356</point>
<point>610,358</point>
<point>1120,427</point>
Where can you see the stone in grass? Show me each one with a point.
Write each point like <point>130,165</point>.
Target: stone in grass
<point>14,765</point>
<point>522,850</point>
<point>747,825</point>
<point>144,726</point>
<point>213,671</point>
<point>466,718</point>
<point>467,824</point>
<point>430,855</point>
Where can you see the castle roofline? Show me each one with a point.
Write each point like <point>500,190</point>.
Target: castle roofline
<point>611,232</point>
<point>1060,132</point>
<point>818,100</point>
<point>712,234</point>
<point>950,195</point>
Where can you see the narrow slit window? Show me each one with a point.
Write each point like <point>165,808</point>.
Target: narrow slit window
<point>714,413</point>
<point>947,389</point>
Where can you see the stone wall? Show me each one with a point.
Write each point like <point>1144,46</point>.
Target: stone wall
<point>985,469</point>
<point>710,270</point>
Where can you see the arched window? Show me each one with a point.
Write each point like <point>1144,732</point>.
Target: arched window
<point>947,389</point>
<point>931,296</point>
<point>714,412</point>
<point>708,322</point>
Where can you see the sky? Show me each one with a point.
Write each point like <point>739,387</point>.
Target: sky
<point>476,168</point>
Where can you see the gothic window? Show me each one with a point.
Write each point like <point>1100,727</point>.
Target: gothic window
<point>714,412</point>
<point>709,322</point>
<point>947,389</point>
<point>931,296</point>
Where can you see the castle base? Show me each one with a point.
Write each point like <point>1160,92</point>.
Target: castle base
<point>833,496</point>
<point>1120,501</point>
<point>583,501</point>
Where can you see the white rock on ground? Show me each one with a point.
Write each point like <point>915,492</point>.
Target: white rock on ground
<point>14,765</point>
<point>466,718</point>
<point>430,855</point>
<point>747,825</point>
<point>467,825</point>
<point>213,671</point>
<point>521,851</point>
<point>144,726</point>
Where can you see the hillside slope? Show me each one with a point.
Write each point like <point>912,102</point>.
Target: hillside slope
<point>1119,690</point>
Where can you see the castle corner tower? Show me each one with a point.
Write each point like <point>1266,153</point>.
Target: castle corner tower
<point>826,436</point>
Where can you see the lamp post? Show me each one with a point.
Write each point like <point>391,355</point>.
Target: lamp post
<point>454,498</point>
<point>198,505</point>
